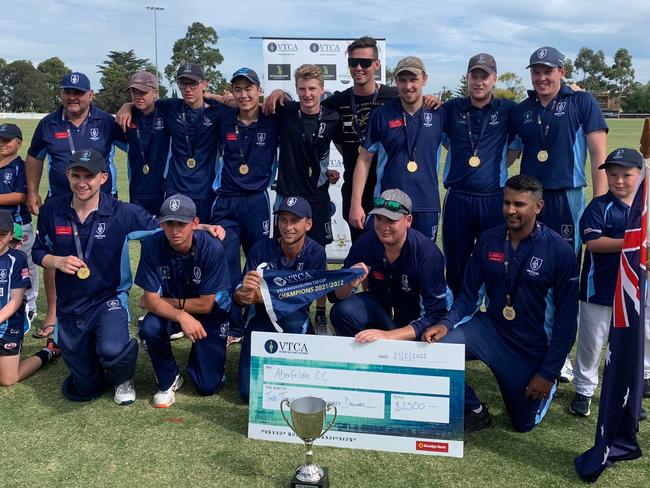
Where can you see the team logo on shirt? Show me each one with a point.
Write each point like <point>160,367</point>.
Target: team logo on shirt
<point>428,117</point>
<point>197,275</point>
<point>534,266</point>
<point>174,204</point>
<point>266,226</point>
<point>261,138</point>
<point>567,231</point>
<point>164,272</point>
<point>462,119</point>
<point>159,124</point>
<point>74,79</point>
<point>528,117</point>
<point>94,134</point>
<point>405,284</point>
<point>10,345</point>
<point>559,110</point>
<point>101,228</point>
<point>541,54</point>
<point>279,281</point>
<point>113,305</point>
<point>7,177</point>
<point>2,292</point>
<point>321,130</point>
<point>494,118</point>
<point>223,329</point>
<point>3,275</point>
<point>207,122</point>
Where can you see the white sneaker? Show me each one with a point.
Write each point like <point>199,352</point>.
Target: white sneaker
<point>177,335</point>
<point>124,393</point>
<point>566,375</point>
<point>166,398</point>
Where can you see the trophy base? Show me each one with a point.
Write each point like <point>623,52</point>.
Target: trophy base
<point>324,482</point>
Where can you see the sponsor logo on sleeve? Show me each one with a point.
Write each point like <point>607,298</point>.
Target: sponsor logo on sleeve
<point>496,257</point>
<point>394,124</point>
<point>24,273</point>
<point>63,230</point>
<point>61,134</point>
<point>231,137</point>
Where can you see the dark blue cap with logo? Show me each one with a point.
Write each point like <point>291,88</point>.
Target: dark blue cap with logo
<point>247,73</point>
<point>10,131</point>
<point>191,71</point>
<point>76,81</point>
<point>295,205</point>
<point>177,208</point>
<point>88,159</point>
<point>548,56</point>
<point>623,156</point>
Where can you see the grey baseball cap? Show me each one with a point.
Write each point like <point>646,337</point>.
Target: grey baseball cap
<point>482,61</point>
<point>412,64</point>
<point>177,208</point>
<point>390,198</point>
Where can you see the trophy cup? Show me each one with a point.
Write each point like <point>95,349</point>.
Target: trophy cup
<point>308,415</point>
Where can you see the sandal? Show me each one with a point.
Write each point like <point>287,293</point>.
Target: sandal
<point>44,331</point>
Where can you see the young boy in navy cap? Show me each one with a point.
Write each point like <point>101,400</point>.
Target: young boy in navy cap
<point>14,279</point>
<point>13,195</point>
<point>602,228</point>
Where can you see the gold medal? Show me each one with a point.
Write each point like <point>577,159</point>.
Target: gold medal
<point>191,163</point>
<point>474,161</point>
<point>145,169</point>
<point>509,313</point>
<point>243,169</point>
<point>83,273</point>
<point>542,156</point>
<point>412,166</point>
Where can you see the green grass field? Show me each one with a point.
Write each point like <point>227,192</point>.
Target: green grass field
<point>201,441</point>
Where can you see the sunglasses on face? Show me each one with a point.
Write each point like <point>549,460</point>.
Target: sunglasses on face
<point>391,205</point>
<point>365,63</point>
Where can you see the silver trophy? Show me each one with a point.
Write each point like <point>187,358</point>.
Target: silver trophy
<point>308,415</point>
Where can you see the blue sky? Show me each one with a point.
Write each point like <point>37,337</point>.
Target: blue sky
<point>443,34</point>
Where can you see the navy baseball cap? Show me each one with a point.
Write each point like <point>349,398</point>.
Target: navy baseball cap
<point>192,71</point>
<point>10,131</point>
<point>177,208</point>
<point>247,73</point>
<point>484,62</point>
<point>548,56</point>
<point>88,159</point>
<point>295,205</point>
<point>76,81</point>
<point>6,221</point>
<point>623,156</point>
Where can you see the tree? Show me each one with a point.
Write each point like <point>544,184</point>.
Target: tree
<point>621,72</point>
<point>514,87</point>
<point>593,67</point>
<point>638,100</point>
<point>568,66</point>
<point>116,71</point>
<point>446,94</point>
<point>23,88</point>
<point>390,77</point>
<point>53,70</point>
<point>198,46</point>
<point>463,89</point>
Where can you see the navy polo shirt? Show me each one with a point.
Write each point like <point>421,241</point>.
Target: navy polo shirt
<point>492,146</point>
<point>258,142</point>
<point>12,180</point>
<point>548,287</point>
<point>202,271</point>
<point>201,129</point>
<point>311,257</point>
<point>114,223</point>
<point>154,144</point>
<point>387,135</point>
<point>294,175</point>
<point>412,289</point>
<point>99,132</point>
<point>572,115</point>
<point>605,216</point>
<point>14,274</point>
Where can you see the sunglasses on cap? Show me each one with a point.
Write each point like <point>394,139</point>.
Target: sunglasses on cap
<point>391,205</point>
<point>365,63</point>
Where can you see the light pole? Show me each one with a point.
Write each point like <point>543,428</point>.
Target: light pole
<point>155,32</point>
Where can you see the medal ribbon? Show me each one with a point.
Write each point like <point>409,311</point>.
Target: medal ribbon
<point>186,130</point>
<point>305,144</point>
<point>513,286</point>
<point>84,256</point>
<point>410,149</point>
<point>144,148</point>
<point>541,118</point>
<point>468,116</point>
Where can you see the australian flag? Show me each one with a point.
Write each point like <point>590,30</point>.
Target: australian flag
<point>620,398</point>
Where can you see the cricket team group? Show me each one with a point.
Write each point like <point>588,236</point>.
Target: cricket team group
<point>511,282</point>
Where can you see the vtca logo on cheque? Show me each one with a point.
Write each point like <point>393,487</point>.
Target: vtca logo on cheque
<point>271,346</point>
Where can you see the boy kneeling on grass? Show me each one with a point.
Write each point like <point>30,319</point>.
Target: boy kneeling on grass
<point>14,280</point>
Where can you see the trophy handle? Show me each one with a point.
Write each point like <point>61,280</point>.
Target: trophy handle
<point>282,404</point>
<point>329,407</point>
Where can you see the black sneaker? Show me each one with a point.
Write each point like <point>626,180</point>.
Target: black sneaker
<point>53,349</point>
<point>477,421</point>
<point>580,405</point>
<point>646,388</point>
<point>643,415</point>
